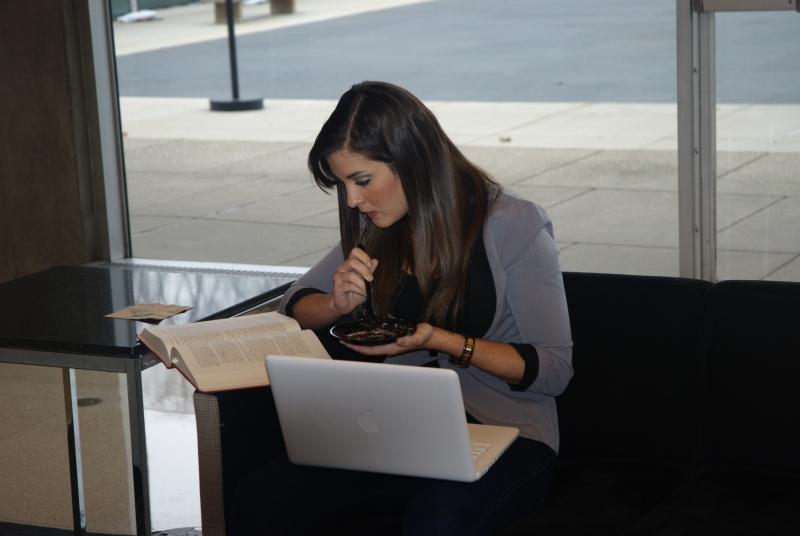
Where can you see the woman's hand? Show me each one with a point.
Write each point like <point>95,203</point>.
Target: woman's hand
<point>349,289</point>
<point>416,341</point>
<point>498,358</point>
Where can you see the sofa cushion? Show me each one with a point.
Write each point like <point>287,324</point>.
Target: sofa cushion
<point>249,434</point>
<point>752,399</point>
<point>596,499</point>
<point>635,392</point>
<point>734,505</point>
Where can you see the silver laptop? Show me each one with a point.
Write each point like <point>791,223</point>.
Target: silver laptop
<point>382,418</point>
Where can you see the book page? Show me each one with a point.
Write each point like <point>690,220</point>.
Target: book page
<point>159,345</point>
<point>161,340</point>
<point>232,363</point>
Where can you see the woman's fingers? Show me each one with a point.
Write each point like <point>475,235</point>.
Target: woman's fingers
<point>417,340</point>
<point>362,263</point>
<point>348,292</point>
<point>350,281</point>
<point>349,287</point>
<point>361,256</point>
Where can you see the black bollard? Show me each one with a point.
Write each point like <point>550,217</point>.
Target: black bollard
<point>235,104</point>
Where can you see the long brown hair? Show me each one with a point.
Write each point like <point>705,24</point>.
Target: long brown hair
<point>448,197</point>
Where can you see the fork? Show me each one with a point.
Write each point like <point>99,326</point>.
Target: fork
<point>366,307</point>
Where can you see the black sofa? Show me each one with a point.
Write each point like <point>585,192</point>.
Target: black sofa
<point>681,418</point>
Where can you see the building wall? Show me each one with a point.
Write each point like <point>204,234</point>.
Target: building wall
<point>48,213</point>
<point>52,212</point>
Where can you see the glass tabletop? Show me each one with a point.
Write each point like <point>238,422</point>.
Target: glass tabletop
<point>63,308</point>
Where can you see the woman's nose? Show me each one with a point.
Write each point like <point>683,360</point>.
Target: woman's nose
<point>353,199</point>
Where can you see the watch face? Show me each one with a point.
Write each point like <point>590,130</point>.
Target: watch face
<point>367,334</point>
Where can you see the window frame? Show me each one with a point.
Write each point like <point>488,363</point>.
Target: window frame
<point>696,133</point>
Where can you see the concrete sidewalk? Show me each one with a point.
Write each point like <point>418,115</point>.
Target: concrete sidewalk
<point>234,187</point>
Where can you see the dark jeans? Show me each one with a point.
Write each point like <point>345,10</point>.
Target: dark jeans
<point>283,498</point>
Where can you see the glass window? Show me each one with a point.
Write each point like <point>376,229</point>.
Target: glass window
<point>570,106</point>
<point>758,144</point>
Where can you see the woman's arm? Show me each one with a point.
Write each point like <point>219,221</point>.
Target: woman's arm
<point>315,310</point>
<point>497,358</point>
<point>536,311</point>
<point>537,301</point>
<point>338,289</point>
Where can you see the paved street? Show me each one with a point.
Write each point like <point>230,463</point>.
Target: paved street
<point>478,50</point>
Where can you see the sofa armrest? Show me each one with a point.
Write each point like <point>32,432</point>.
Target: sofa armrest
<point>236,432</point>
<point>209,454</point>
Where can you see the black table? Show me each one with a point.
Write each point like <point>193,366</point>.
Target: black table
<point>57,318</point>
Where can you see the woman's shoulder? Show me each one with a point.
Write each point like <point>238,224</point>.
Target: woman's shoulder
<point>513,225</point>
<point>508,208</point>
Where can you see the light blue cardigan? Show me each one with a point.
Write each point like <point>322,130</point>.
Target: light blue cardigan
<point>531,308</point>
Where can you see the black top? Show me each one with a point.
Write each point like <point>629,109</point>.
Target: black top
<point>479,302</point>
<point>63,309</point>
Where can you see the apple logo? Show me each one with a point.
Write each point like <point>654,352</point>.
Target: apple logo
<point>368,422</point>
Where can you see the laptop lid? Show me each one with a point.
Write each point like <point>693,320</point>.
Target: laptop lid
<point>377,417</point>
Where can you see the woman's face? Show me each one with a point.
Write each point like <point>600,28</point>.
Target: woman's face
<point>372,187</point>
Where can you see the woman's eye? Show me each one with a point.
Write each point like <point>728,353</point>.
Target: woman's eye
<point>362,182</point>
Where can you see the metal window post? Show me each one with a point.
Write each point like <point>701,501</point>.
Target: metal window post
<point>74,449</point>
<point>709,6</point>
<point>116,244</point>
<point>696,141</point>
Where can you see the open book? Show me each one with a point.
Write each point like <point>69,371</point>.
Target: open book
<point>221,355</point>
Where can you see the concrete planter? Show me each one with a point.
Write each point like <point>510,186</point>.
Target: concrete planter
<point>281,7</point>
<point>219,11</point>
<point>276,7</point>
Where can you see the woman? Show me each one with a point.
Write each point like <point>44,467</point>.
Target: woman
<point>474,267</point>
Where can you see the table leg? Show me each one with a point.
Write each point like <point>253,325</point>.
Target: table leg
<point>141,487</point>
<point>74,445</point>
